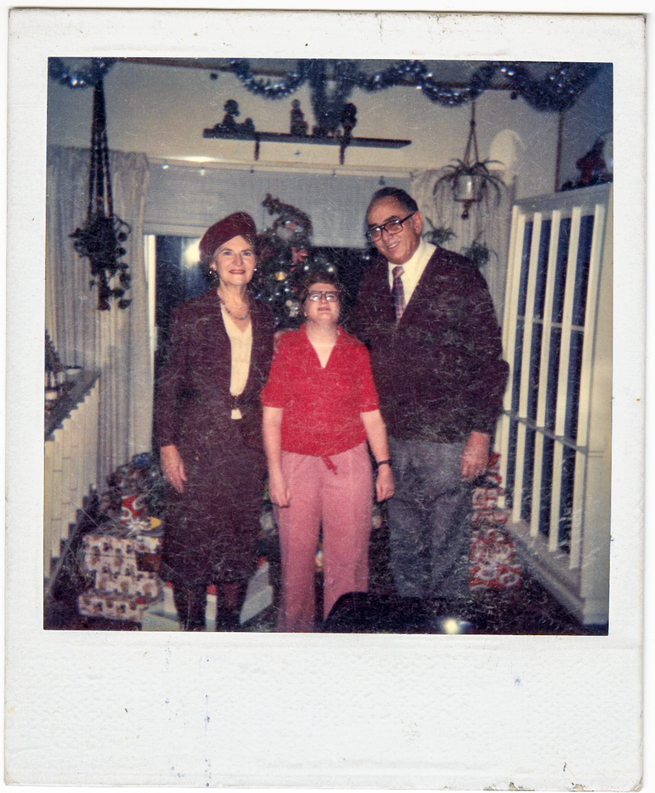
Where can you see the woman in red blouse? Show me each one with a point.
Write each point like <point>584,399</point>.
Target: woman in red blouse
<point>320,408</point>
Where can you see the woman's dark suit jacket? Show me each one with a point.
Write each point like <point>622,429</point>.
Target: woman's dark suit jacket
<point>211,529</point>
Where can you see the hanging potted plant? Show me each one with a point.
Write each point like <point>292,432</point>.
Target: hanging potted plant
<point>470,180</point>
<point>470,183</point>
<point>438,235</point>
<point>478,252</point>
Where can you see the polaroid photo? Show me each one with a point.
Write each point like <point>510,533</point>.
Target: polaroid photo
<point>341,478</point>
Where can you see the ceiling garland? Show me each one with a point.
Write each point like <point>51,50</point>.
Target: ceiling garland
<point>555,91</point>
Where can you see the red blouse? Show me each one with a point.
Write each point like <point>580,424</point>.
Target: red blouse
<point>321,405</point>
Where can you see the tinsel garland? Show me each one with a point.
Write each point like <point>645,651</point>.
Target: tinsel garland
<point>556,91</point>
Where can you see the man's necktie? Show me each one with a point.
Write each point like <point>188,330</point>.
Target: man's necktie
<point>398,292</point>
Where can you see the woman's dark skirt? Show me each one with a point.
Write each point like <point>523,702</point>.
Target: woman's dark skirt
<point>211,529</point>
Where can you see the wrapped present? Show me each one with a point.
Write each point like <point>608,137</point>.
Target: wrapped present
<point>494,462</point>
<point>148,543</point>
<point>499,516</point>
<point>147,585</point>
<point>267,521</point>
<point>105,553</point>
<point>94,603</point>
<point>134,510</point>
<point>113,583</point>
<point>493,560</point>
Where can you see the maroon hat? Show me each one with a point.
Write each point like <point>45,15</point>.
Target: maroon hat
<point>238,224</point>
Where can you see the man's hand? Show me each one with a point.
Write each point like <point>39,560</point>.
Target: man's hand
<point>172,467</point>
<point>475,459</point>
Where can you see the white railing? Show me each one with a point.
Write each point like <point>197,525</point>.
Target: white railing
<point>554,436</point>
<point>71,472</point>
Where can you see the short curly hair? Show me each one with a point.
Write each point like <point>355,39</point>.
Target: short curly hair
<point>320,276</point>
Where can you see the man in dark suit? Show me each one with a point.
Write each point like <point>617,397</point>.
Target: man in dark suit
<point>436,354</point>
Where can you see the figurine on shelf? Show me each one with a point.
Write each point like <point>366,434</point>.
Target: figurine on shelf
<point>349,119</point>
<point>348,122</point>
<point>231,108</point>
<point>298,123</point>
<point>320,131</point>
<point>592,167</point>
<point>228,125</point>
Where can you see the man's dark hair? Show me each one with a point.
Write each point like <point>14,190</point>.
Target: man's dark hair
<point>402,196</point>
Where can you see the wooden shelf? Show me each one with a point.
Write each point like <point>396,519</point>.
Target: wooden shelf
<point>284,137</point>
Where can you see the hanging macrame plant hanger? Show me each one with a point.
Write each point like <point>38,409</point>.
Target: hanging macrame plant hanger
<point>103,234</point>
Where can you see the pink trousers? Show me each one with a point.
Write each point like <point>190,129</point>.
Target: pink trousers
<point>339,497</point>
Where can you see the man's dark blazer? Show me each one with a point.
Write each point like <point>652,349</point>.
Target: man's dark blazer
<point>439,371</point>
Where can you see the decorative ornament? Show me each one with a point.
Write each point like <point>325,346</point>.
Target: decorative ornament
<point>298,124</point>
<point>280,275</point>
<point>229,125</point>
<point>103,234</point>
<point>470,179</point>
<point>292,225</point>
<point>348,123</point>
<point>87,77</point>
<point>592,167</point>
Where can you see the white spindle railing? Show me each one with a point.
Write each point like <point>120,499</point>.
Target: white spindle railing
<point>554,435</point>
<point>71,472</point>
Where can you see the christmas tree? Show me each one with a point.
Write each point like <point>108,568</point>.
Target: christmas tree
<point>285,256</point>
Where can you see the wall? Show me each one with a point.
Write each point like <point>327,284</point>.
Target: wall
<point>162,110</point>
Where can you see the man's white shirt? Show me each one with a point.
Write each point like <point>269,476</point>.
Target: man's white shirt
<point>413,268</point>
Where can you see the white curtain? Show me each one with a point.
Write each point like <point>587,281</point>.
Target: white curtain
<point>114,343</point>
<point>488,224</point>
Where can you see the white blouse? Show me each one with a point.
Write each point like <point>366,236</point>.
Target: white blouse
<point>241,345</point>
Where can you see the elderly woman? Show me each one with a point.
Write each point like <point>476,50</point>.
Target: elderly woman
<point>208,424</point>
<point>320,407</point>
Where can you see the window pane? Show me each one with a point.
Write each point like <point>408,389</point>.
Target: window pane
<point>573,389</point>
<point>511,463</point>
<point>525,266</point>
<point>553,377</point>
<point>582,270</point>
<point>528,471</point>
<point>535,358</point>
<point>178,277</point>
<point>546,485</point>
<point>566,496</point>
<point>516,370</point>
<point>542,270</point>
<point>560,271</point>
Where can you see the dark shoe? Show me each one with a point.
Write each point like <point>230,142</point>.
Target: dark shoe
<point>227,621</point>
<point>192,626</point>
